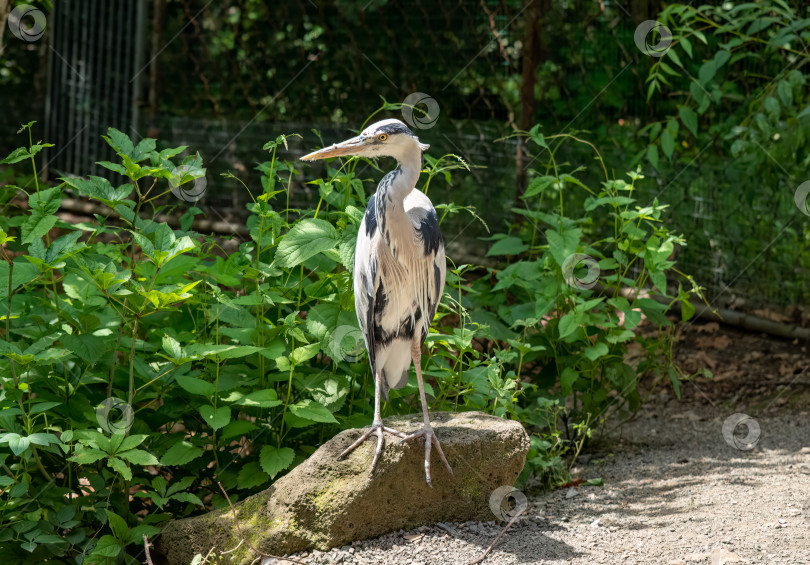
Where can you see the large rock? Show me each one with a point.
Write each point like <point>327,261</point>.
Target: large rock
<point>326,502</point>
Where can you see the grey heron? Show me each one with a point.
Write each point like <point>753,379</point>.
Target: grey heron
<point>399,272</point>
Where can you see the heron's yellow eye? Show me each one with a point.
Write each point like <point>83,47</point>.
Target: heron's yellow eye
<point>382,137</point>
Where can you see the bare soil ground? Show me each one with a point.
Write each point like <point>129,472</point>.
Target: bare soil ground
<point>678,489</point>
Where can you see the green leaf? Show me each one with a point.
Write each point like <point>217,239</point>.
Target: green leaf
<point>251,476</point>
<point>689,119</point>
<point>687,310</point>
<point>266,398</point>
<point>306,239</point>
<point>139,457</point>
<point>49,538</point>
<point>216,417</point>
<point>667,143</point>
<point>43,439</point>
<point>118,526</point>
<point>221,351</point>
<point>568,324</point>
<point>87,455</point>
<point>18,444</point>
<point>107,546</point>
<point>196,386</point>
<point>187,497</point>
<point>652,155</point>
<point>181,453</point>
<point>507,246</point>
<point>101,189</point>
<point>238,428</point>
<point>707,72</point>
<point>673,54</point>
<point>177,486</point>
<point>567,379</point>
<point>596,351</point>
<point>136,534</point>
<point>311,410</point>
<point>538,185</point>
<point>687,46</point>
<point>132,441</point>
<point>46,201</point>
<point>632,318</point>
<point>36,226</point>
<point>87,347</point>
<point>120,142</point>
<point>119,466</point>
<point>172,347</point>
<point>63,246</point>
<point>676,383</point>
<point>23,273</point>
<point>304,353</point>
<point>275,460</point>
<point>563,246</point>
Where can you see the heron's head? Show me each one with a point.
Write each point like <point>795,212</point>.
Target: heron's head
<point>388,138</point>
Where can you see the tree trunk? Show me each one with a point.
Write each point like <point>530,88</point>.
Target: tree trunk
<point>533,51</point>
<point>5,9</point>
<point>158,11</point>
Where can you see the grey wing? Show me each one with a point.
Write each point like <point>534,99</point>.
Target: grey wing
<point>365,278</point>
<point>426,223</point>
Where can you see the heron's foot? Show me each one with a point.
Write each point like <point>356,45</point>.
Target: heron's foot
<point>376,429</point>
<point>430,439</point>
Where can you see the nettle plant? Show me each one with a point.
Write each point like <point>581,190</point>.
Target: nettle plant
<point>142,363</point>
<point>585,267</point>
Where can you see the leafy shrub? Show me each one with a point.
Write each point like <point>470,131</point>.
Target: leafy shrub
<point>736,80</point>
<point>142,363</point>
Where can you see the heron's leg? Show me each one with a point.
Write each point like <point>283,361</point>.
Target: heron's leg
<point>376,429</point>
<point>427,429</point>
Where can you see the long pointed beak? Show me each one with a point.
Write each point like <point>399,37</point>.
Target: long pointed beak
<point>349,147</point>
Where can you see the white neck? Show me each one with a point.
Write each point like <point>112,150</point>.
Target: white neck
<point>410,165</point>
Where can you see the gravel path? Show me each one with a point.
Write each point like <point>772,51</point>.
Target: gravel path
<point>676,491</point>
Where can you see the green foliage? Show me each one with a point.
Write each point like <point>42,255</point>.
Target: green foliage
<point>736,133</point>
<point>139,357</point>
<point>567,309</point>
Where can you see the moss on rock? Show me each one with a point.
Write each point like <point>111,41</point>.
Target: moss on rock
<point>326,502</point>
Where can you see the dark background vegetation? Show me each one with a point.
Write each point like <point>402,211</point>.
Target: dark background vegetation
<point>236,73</point>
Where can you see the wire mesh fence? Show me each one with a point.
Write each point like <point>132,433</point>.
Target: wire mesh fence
<point>224,78</point>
